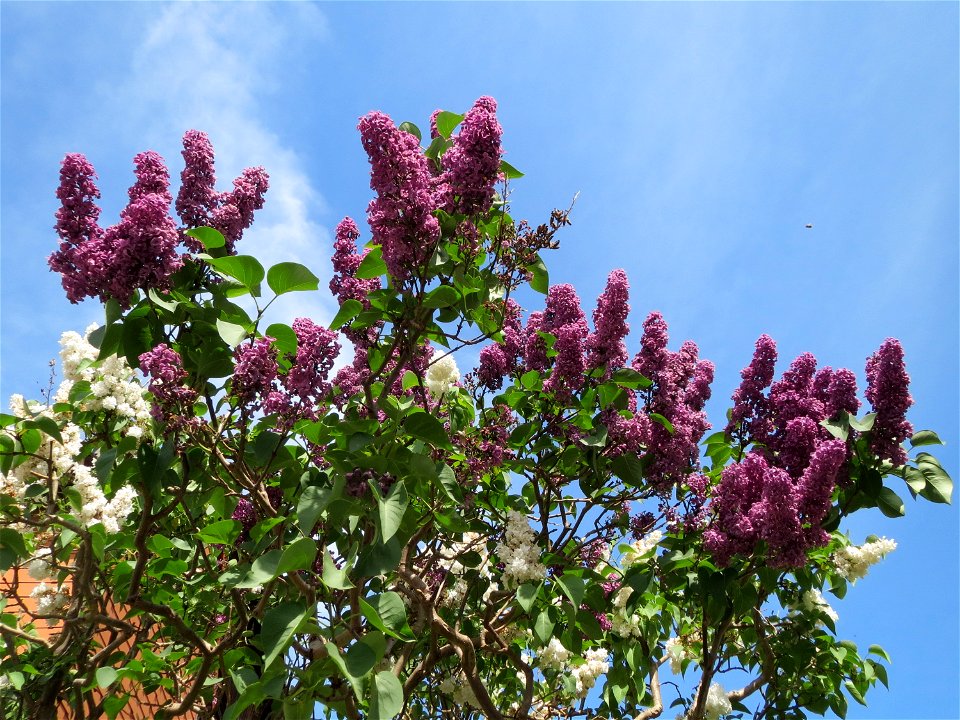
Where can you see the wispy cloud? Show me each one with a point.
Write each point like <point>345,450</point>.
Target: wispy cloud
<point>213,67</point>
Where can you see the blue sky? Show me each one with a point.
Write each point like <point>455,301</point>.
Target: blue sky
<point>702,139</point>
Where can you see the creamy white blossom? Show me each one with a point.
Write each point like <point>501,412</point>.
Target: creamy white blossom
<point>442,375</point>
<point>39,566</point>
<point>812,601</point>
<point>853,562</point>
<point>554,656</point>
<point>595,664</point>
<point>641,549</point>
<point>518,551</point>
<point>49,600</point>
<point>718,703</point>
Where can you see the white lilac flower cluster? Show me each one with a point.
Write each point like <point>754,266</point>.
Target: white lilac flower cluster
<point>113,384</point>
<point>718,704</point>
<point>554,656</point>
<point>641,549</point>
<point>39,567</point>
<point>459,689</point>
<point>677,652</point>
<point>519,553</point>
<point>595,663</point>
<point>449,560</point>
<point>812,601</point>
<point>114,389</point>
<point>50,600</point>
<point>442,376</point>
<point>853,562</point>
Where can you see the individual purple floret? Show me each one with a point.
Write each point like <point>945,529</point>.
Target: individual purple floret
<point>888,394</point>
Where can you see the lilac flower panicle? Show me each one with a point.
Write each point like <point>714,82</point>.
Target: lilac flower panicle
<point>889,396</point>
<point>819,479</point>
<point>317,348</point>
<point>493,367</point>
<point>197,196</point>
<point>237,207</point>
<point>777,520</point>
<point>534,346</point>
<point>346,260</point>
<point>472,164</point>
<point>750,413</point>
<point>500,359</point>
<point>653,346</point>
<point>434,133</point>
<point>401,216</point>
<point>842,394</point>
<point>152,177</point>
<point>81,258</point>
<point>605,346</point>
<point>563,317</point>
<point>173,402</point>
<point>255,370</point>
<point>794,394</point>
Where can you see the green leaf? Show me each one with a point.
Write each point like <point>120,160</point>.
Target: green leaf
<point>854,692</point>
<point>333,577</point>
<point>630,378</point>
<point>447,122</point>
<point>231,334</point>
<point>280,623</point>
<point>527,594</point>
<point>106,676</point>
<point>46,424</point>
<point>313,501</point>
<point>509,170</point>
<point>573,587</point>
<point>939,487</point>
<point>360,659</point>
<point>925,437</point>
<point>442,296</point>
<point>165,302</point>
<point>863,425</point>
<point>372,265</point>
<point>543,628</point>
<point>409,127</point>
<point>426,427</point>
<point>210,238</point>
<point>263,570</point>
<point>113,704</point>
<point>291,277</point>
<point>448,480</point>
<point>245,269</point>
<point>348,311</point>
<point>387,613</point>
<point>890,503</point>
<point>658,418</point>
<point>879,652</point>
<point>284,338</point>
<point>387,700</point>
<point>628,468</point>
<point>392,508</point>
<point>540,282</point>
<point>298,556</point>
<point>223,532</point>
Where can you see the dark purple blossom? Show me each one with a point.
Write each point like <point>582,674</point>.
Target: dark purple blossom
<point>841,394</point>
<point>472,164</point>
<point>317,348</point>
<point>605,346</point>
<point>255,370</point>
<point>236,208</point>
<point>401,216</point>
<point>888,394</point>
<point>173,402</point>
<point>749,417</point>
<point>82,260</point>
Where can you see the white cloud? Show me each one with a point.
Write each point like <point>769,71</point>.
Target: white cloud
<point>213,67</point>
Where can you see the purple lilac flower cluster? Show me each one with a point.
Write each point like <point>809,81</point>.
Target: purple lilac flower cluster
<point>564,319</point>
<point>401,216</point>
<point>681,388</point>
<point>254,372</point>
<point>344,284</point>
<point>472,164</point>
<point>137,252</point>
<point>306,384</point>
<point>888,393</point>
<point>173,402</point>
<point>605,345</point>
<point>758,501</point>
<point>199,204</point>
<point>140,251</point>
